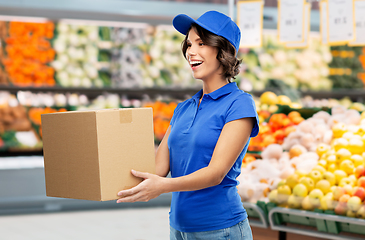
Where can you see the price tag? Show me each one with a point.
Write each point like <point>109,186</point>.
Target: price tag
<point>359,12</point>
<point>323,22</point>
<point>306,29</point>
<point>340,22</point>
<point>250,21</point>
<point>291,20</point>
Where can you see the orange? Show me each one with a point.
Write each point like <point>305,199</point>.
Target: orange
<point>294,114</point>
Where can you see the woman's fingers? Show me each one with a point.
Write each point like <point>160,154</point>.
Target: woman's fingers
<point>133,198</point>
<point>143,175</point>
<point>129,192</point>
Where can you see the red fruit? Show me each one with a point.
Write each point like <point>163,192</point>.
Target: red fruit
<point>361,182</point>
<point>341,208</point>
<point>359,171</point>
<point>359,192</point>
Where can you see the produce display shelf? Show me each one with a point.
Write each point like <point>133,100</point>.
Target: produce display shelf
<point>316,224</point>
<point>353,94</point>
<point>256,214</point>
<point>93,92</point>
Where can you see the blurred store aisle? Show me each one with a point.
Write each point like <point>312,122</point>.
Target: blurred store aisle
<point>121,224</point>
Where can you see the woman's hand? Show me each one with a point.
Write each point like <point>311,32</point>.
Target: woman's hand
<point>149,188</point>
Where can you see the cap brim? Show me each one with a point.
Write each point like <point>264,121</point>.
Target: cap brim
<point>182,23</point>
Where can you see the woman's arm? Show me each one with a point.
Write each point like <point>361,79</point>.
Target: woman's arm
<point>232,140</point>
<point>163,156</point>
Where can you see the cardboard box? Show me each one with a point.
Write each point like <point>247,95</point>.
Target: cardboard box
<point>89,154</point>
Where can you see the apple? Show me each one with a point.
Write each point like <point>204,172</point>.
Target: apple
<point>306,204</point>
<point>332,167</point>
<point>344,198</point>
<point>331,159</point>
<point>346,181</point>
<point>300,173</point>
<point>322,163</point>
<point>330,177</point>
<point>350,213</point>
<point>359,171</point>
<point>361,182</point>
<point>353,178</point>
<point>319,168</point>
<point>300,190</point>
<point>354,203</point>
<point>348,189</point>
<point>361,212</point>
<point>294,201</point>
<point>284,192</point>
<point>339,129</point>
<point>292,180</point>
<point>338,192</point>
<point>359,192</point>
<point>273,196</point>
<point>343,154</point>
<point>316,175</point>
<point>341,208</point>
<point>327,202</point>
<point>357,159</point>
<point>356,146</point>
<point>348,135</point>
<point>347,166</point>
<point>281,183</point>
<point>323,185</point>
<point>339,143</point>
<point>308,182</point>
<point>322,148</point>
<point>315,197</point>
<point>339,174</point>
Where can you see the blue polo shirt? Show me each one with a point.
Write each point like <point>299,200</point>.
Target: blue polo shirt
<point>194,134</point>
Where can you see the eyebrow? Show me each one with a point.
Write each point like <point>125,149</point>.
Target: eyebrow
<point>196,40</point>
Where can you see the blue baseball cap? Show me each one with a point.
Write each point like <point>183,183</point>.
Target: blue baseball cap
<point>213,21</point>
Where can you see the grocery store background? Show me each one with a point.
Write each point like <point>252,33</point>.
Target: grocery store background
<point>76,55</point>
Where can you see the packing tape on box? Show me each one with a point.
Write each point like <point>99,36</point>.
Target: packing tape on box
<point>125,116</point>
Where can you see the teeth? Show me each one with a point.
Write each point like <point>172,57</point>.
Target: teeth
<point>195,62</point>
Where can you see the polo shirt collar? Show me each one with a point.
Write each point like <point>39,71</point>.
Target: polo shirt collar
<point>226,89</point>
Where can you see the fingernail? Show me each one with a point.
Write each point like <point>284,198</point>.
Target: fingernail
<point>119,194</point>
<point>133,171</point>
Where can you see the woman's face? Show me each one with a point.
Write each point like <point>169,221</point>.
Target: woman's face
<point>202,58</point>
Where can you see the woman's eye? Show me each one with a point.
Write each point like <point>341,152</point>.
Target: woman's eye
<point>188,45</point>
<point>201,44</point>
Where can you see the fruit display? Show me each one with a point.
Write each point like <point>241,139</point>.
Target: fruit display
<point>27,53</point>
<point>16,130</point>
<point>164,62</point>
<point>330,178</point>
<point>77,56</point>
<point>300,69</point>
<point>275,130</point>
<point>299,154</point>
<point>309,102</point>
<point>127,56</point>
<point>162,114</point>
<point>35,116</point>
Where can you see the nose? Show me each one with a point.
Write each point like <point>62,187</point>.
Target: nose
<point>190,52</point>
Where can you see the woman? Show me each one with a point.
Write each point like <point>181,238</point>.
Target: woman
<point>206,140</point>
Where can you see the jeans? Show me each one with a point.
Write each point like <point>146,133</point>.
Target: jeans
<point>240,231</point>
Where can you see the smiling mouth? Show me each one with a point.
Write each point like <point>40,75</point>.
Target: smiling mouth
<point>195,64</point>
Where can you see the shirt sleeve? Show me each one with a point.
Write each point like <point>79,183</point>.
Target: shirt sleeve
<point>244,107</point>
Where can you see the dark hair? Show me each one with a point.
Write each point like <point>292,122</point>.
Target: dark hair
<point>226,51</point>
